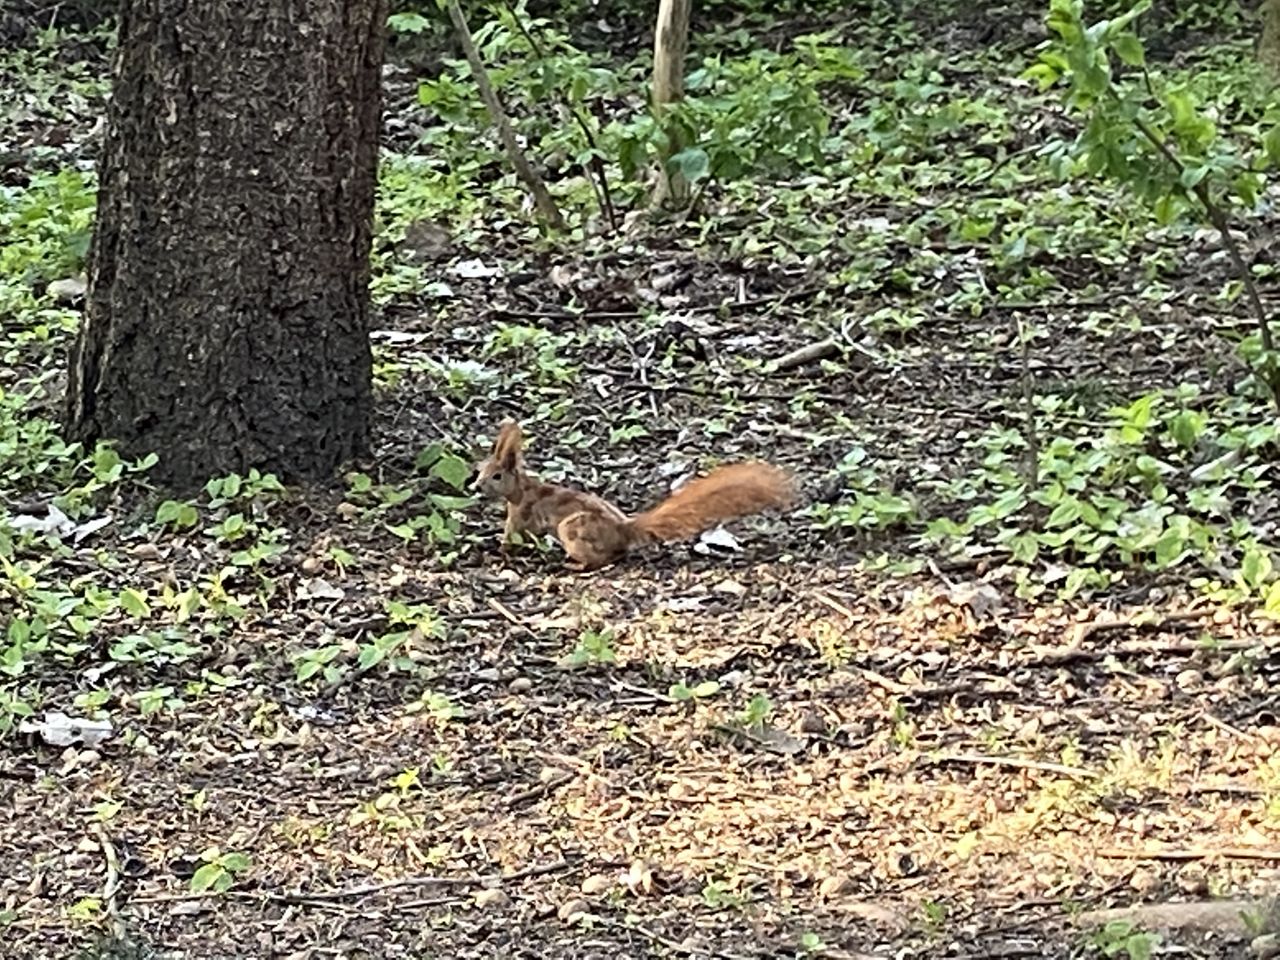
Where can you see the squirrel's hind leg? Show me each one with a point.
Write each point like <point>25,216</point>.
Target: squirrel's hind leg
<point>590,540</point>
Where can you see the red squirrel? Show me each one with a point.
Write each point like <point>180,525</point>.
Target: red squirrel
<point>593,531</point>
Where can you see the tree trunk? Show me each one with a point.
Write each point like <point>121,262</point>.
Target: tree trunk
<point>670,43</point>
<point>226,322</point>
<point>1269,45</point>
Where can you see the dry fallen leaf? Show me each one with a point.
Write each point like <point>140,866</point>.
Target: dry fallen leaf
<point>493,897</point>
<point>597,883</point>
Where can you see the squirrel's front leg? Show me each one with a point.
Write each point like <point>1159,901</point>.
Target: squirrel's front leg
<point>511,527</point>
<point>511,530</point>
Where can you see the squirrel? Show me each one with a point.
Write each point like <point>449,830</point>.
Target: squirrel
<point>593,531</point>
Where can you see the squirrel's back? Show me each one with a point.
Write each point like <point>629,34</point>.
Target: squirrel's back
<point>725,493</point>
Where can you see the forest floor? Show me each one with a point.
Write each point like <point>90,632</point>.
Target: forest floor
<point>839,737</point>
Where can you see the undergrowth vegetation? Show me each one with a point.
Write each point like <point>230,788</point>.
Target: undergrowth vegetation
<point>991,281</point>
<point>921,188</point>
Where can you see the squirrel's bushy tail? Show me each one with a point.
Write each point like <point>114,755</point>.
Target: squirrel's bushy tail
<point>725,493</point>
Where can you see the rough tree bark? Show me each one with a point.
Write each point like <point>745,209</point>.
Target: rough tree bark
<point>670,43</point>
<point>226,321</point>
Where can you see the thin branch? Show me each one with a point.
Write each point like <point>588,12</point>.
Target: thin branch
<point>1218,217</point>
<point>1191,853</point>
<point>682,948</point>
<point>524,170</point>
<point>729,307</point>
<point>596,166</point>
<point>1018,763</point>
<point>110,886</point>
<point>1219,220</point>
<point>1184,648</point>
<point>1028,399</point>
<point>810,352</point>
<point>538,790</point>
<point>304,897</point>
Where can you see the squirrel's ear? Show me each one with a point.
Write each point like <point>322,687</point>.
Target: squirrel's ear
<point>506,449</point>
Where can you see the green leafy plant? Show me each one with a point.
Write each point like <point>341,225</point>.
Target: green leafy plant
<point>1158,140</point>
<point>595,648</point>
<point>934,916</point>
<point>177,514</point>
<point>318,662</point>
<point>416,620</point>
<point>219,870</point>
<point>1122,939</point>
<point>720,895</point>
<point>699,691</point>
<point>811,943</point>
<point>740,115</point>
<point>438,706</point>
<point>758,710</point>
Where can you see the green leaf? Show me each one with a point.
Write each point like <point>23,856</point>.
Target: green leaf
<point>450,503</point>
<point>308,669</point>
<point>1191,176</point>
<point>1042,74</point>
<point>1167,209</point>
<point>370,655</point>
<point>1170,547</point>
<point>205,878</point>
<point>1256,567</point>
<point>236,862</point>
<point>1271,144</point>
<point>134,603</point>
<point>1065,513</point>
<point>1271,605</point>
<point>452,470</point>
<point>1024,548</point>
<point>694,164</point>
<point>1126,18</point>
<point>408,23</point>
<point>1187,427</point>
<point>1140,946</point>
<point>1129,49</point>
<point>404,531</point>
<point>428,455</point>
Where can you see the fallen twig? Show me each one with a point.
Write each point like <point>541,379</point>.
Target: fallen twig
<point>645,692</point>
<point>1020,763</point>
<point>538,790</point>
<point>938,691</point>
<point>1222,916</point>
<point>835,605</point>
<point>1190,853</point>
<point>1084,631</point>
<point>809,353</point>
<point>348,893</point>
<point>727,306</point>
<point>110,886</point>
<point>676,946</point>
<point>1184,648</point>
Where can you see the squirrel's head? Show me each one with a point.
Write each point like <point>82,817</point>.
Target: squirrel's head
<point>500,473</point>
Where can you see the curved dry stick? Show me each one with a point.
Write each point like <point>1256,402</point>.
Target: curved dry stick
<point>524,170</point>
